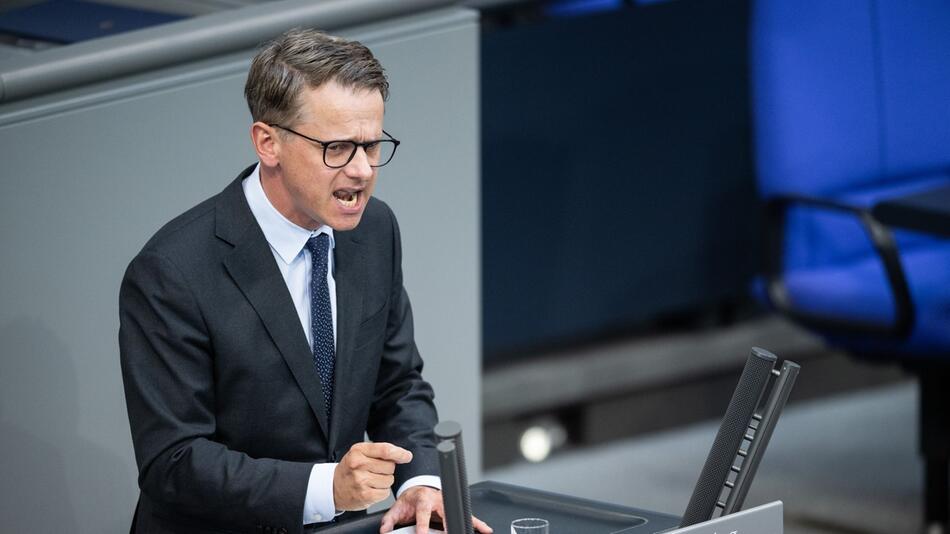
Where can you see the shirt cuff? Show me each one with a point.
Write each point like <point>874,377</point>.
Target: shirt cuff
<point>318,505</point>
<point>421,480</point>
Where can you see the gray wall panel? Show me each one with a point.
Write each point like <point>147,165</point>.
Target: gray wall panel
<point>87,176</point>
<point>433,186</point>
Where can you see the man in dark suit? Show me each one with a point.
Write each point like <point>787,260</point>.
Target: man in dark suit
<point>266,329</point>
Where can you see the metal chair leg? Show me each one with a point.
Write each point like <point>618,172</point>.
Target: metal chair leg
<point>935,445</point>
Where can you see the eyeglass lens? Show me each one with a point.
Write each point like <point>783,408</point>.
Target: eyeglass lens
<point>339,153</point>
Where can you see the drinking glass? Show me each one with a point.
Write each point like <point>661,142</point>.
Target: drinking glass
<point>529,525</point>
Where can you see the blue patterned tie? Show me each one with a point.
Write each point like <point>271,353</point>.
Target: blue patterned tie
<point>321,317</point>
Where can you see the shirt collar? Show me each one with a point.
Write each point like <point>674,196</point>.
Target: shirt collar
<point>285,237</point>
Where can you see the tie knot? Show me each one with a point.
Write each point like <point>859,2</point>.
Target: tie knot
<point>318,244</point>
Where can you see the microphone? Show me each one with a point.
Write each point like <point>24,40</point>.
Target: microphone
<point>454,477</point>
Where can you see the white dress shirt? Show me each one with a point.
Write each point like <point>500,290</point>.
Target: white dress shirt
<point>288,244</point>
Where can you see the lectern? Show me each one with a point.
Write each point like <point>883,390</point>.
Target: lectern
<point>713,508</point>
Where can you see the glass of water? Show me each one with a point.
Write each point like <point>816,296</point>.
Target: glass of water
<point>529,525</point>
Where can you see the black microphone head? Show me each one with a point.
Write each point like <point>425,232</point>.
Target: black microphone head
<point>448,430</point>
<point>759,352</point>
<point>719,462</point>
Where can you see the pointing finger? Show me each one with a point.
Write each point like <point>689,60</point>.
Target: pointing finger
<point>481,526</point>
<point>387,451</point>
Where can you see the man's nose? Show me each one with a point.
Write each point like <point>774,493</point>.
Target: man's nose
<point>359,166</point>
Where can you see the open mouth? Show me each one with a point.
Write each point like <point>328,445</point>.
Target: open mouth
<point>347,199</point>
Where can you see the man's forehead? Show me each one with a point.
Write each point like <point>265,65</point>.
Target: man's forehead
<point>342,115</point>
<point>335,99</point>
<point>339,91</point>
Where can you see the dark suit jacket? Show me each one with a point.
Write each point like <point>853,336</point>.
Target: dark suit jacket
<point>224,401</point>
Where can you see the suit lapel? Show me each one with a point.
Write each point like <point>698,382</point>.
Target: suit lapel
<point>349,266</point>
<point>252,267</point>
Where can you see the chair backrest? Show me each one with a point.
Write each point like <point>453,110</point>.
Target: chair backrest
<point>851,101</point>
<point>915,85</point>
<point>815,104</point>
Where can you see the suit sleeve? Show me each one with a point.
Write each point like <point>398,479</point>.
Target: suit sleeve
<point>168,371</point>
<point>403,411</point>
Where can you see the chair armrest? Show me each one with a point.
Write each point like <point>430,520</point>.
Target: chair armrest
<point>884,246</point>
<point>926,211</point>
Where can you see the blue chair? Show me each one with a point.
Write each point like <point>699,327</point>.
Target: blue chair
<point>851,106</point>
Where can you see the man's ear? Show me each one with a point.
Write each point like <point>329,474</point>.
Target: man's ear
<point>266,144</point>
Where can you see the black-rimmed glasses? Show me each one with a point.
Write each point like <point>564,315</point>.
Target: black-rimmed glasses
<point>337,154</point>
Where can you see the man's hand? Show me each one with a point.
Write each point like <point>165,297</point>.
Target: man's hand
<point>419,503</point>
<point>364,475</point>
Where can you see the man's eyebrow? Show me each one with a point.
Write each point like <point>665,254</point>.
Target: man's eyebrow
<point>354,139</point>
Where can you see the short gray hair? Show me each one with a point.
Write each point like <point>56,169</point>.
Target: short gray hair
<point>305,58</point>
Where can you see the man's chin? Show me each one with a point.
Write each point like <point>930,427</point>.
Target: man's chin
<point>345,224</point>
